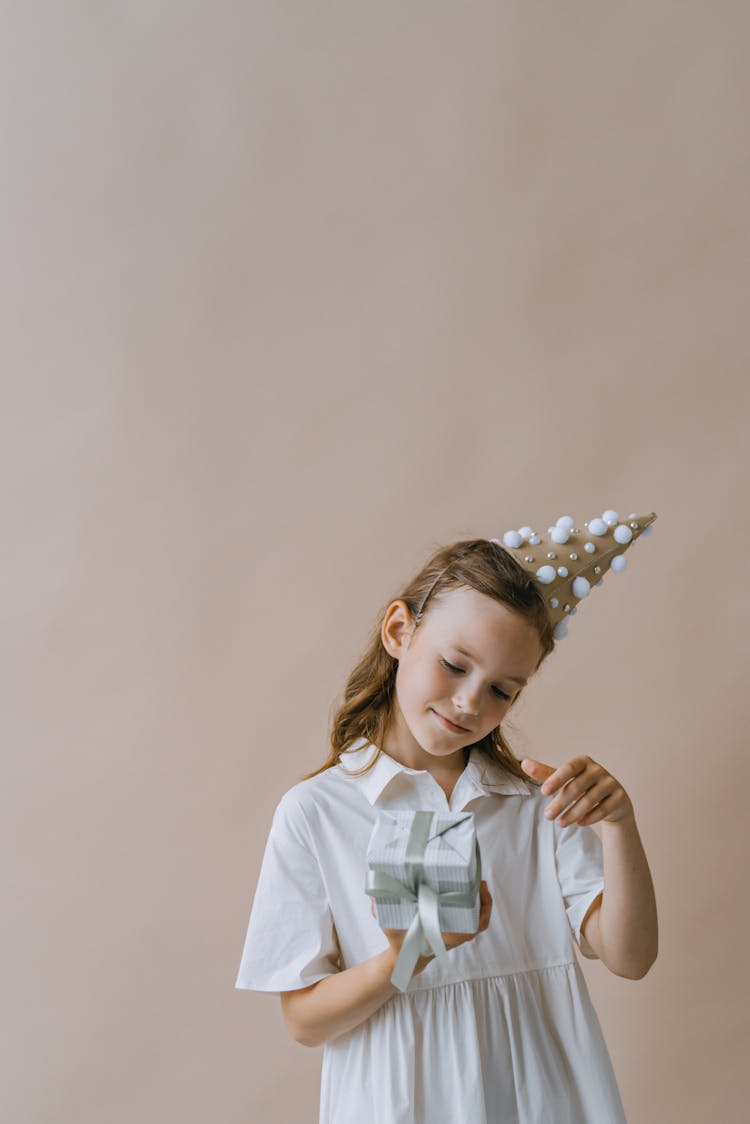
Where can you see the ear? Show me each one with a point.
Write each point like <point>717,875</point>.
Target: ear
<point>397,628</point>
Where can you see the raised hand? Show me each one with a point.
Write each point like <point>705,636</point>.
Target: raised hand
<point>593,793</point>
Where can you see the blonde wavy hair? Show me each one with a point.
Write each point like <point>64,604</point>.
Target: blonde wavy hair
<point>369,693</point>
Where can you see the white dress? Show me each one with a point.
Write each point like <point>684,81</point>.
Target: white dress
<point>507,1034</point>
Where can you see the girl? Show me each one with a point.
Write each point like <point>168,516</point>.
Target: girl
<point>508,1033</point>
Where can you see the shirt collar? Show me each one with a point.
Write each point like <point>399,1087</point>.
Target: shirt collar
<point>484,774</point>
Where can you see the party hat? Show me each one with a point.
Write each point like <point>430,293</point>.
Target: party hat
<point>568,562</point>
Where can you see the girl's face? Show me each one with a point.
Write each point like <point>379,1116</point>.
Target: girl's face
<point>466,663</point>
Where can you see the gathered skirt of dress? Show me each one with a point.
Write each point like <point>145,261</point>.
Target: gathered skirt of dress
<point>522,1048</point>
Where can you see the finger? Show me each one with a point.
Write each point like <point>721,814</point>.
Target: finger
<point>578,797</point>
<point>598,812</point>
<point>537,769</point>
<point>585,807</point>
<point>573,791</point>
<point>572,768</point>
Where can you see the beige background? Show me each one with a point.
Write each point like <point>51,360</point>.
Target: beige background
<point>292,293</point>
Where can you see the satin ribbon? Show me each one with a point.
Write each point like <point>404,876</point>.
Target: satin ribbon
<point>425,922</point>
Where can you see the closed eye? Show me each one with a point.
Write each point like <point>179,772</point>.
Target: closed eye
<point>459,670</point>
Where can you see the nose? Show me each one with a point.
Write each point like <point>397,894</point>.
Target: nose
<point>466,704</point>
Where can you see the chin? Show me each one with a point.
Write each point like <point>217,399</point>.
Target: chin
<point>426,733</point>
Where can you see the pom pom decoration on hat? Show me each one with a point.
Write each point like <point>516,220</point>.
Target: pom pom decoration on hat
<point>569,563</point>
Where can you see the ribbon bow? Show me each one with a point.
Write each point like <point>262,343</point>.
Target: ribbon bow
<point>425,922</point>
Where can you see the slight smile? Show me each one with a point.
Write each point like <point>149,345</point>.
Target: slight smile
<point>451,725</point>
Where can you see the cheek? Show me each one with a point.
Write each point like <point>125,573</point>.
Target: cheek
<point>436,683</point>
<point>426,685</point>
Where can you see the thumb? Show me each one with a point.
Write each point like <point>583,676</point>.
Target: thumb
<point>537,769</point>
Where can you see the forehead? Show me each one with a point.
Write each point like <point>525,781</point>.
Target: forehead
<point>485,629</point>
<point>474,613</point>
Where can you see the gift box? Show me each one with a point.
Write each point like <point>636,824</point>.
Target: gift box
<point>424,872</point>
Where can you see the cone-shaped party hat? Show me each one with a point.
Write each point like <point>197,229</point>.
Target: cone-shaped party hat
<point>569,562</point>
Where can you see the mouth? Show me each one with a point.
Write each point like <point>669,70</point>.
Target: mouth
<point>451,726</point>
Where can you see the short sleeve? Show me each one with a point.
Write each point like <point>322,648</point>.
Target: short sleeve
<point>580,871</point>
<point>291,940</point>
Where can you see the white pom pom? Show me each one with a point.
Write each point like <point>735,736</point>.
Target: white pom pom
<point>534,540</point>
<point>512,538</point>
<point>526,532</point>
<point>610,517</point>
<point>598,527</point>
<point>618,563</point>
<point>566,521</point>
<point>562,571</point>
<point>581,587</point>
<point>546,574</point>
<point>554,602</point>
<point>622,534</point>
<point>589,547</point>
<point>560,630</point>
<point>559,534</point>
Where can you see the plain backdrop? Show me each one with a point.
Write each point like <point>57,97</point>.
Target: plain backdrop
<point>291,294</point>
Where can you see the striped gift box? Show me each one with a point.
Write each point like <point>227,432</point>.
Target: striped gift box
<point>440,848</point>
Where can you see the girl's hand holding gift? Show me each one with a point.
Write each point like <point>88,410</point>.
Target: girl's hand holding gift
<point>597,794</point>
<point>450,940</point>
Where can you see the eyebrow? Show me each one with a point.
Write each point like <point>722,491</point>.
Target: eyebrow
<point>512,678</point>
